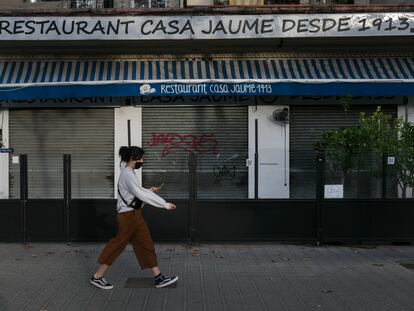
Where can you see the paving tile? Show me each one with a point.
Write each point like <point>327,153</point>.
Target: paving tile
<point>216,277</point>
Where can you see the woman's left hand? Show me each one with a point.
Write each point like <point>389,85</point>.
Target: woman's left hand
<point>154,189</point>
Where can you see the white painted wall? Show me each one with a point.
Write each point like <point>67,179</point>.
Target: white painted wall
<point>29,5</point>
<point>199,2</point>
<point>122,115</point>
<point>391,2</point>
<point>4,157</point>
<point>273,143</point>
<point>136,4</point>
<point>407,112</point>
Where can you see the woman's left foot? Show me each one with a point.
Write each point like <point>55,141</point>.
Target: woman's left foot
<point>162,281</point>
<point>101,283</point>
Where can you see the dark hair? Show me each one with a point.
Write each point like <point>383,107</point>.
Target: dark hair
<point>128,153</point>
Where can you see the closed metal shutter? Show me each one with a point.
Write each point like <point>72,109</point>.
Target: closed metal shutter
<point>307,124</point>
<point>46,134</point>
<point>219,136</point>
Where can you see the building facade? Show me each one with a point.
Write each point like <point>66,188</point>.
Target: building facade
<point>227,98</point>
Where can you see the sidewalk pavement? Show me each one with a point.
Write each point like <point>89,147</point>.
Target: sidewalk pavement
<point>239,277</point>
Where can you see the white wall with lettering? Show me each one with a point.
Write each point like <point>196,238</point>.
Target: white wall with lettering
<point>4,157</point>
<point>75,102</point>
<point>206,27</point>
<point>273,149</point>
<point>122,115</point>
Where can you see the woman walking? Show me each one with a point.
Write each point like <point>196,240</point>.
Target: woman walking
<point>131,225</point>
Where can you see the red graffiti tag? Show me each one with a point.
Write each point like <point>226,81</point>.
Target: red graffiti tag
<point>192,143</point>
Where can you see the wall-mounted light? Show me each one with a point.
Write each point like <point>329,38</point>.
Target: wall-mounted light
<point>281,115</point>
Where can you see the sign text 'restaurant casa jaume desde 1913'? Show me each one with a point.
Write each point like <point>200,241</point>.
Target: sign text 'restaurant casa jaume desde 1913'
<point>205,27</point>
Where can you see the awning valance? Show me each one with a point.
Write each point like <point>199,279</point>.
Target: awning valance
<point>30,79</point>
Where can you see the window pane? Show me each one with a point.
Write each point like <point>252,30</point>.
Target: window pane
<point>45,135</point>
<point>169,173</point>
<point>359,176</point>
<point>218,135</point>
<point>224,175</point>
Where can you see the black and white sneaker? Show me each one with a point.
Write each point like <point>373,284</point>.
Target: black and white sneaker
<point>101,283</point>
<point>162,281</point>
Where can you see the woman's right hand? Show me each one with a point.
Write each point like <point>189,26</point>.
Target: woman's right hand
<point>171,206</point>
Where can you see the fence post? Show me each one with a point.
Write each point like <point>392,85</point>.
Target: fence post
<point>320,193</point>
<point>384,176</point>
<point>67,193</point>
<point>24,193</point>
<point>192,166</point>
<point>256,159</point>
<point>192,183</point>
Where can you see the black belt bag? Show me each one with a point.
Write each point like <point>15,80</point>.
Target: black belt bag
<point>135,203</point>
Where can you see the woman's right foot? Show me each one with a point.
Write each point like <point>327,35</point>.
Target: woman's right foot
<point>101,283</point>
<point>162,281</point>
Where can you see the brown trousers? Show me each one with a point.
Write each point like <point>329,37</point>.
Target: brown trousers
<point>131,228</point>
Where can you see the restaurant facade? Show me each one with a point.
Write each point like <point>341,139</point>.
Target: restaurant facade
<point>229,133</point>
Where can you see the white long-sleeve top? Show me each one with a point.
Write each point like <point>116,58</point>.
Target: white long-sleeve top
<point>129,187</point>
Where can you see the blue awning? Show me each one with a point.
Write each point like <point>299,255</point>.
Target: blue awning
<point>35,79</point>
